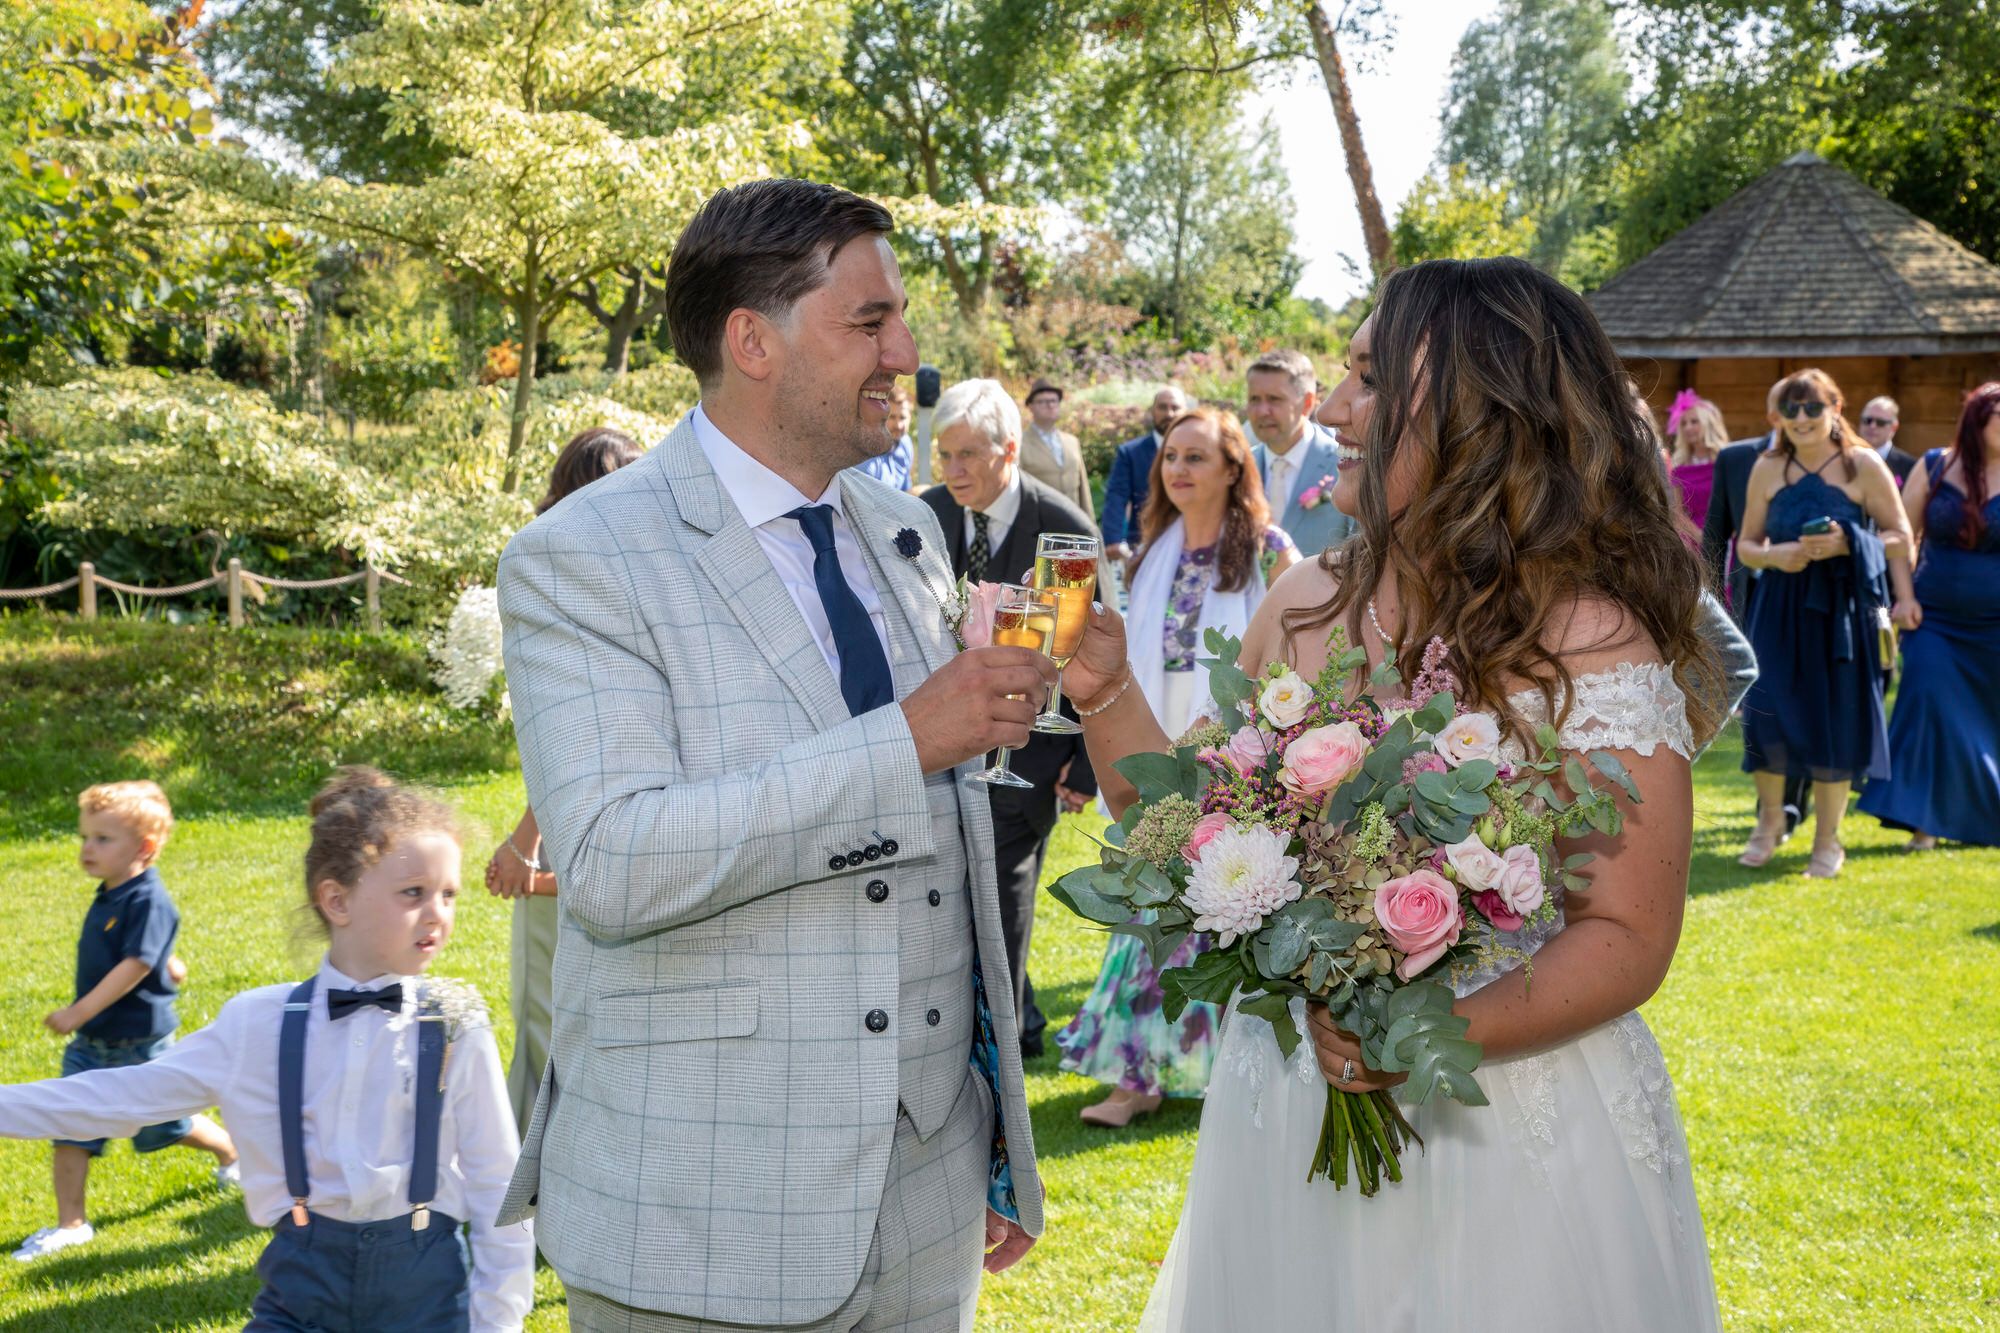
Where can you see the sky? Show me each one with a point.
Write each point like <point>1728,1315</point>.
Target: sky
<point>1398,100</point>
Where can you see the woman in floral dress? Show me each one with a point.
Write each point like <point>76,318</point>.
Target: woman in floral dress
<point>1208,553</point>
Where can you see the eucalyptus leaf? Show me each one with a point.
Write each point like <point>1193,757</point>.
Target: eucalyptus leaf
<point>1612,767</point>
<point>1475,774</point>
<point>1155,775</point>
<point>1577,778</point>
<point>1210,979</point>
<point>1276,1010</point>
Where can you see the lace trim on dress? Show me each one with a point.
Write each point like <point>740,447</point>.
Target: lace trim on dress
<point>1634,706</point>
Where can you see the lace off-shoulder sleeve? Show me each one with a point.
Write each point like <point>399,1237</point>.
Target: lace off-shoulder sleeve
<point>1633,706</point>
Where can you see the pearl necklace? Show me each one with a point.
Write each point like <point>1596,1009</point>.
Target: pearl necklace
<point>1387,642</point>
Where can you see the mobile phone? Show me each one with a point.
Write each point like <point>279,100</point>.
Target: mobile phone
<point>1818,527</point>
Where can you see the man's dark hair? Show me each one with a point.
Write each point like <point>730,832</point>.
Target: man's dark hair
<point>759,246</point>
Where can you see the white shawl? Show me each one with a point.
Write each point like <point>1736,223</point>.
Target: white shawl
<point>1145,620</point>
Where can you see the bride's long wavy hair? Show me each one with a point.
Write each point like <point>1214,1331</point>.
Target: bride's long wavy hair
<point>1535,483</point>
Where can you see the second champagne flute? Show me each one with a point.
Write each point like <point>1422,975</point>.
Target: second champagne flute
<point>1066,565</point>
<point>1023,618</point>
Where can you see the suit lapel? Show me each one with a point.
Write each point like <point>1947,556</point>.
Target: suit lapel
<point>909,590</point>
<point>1315,461</point>
<point>744,579</point>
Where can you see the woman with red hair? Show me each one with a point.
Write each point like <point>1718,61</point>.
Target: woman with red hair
<point>1944,742</point>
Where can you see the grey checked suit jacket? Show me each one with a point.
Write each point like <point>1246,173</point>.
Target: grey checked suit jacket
<point>1311,530</point>
<point>712,1132</point>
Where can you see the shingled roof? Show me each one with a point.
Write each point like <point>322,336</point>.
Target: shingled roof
<point>1804,261</point>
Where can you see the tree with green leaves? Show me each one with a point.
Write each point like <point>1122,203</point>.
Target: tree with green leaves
<point>1452,217</point>
<point>88,246</point>
<point>1204,214</point>
<point>1904,93</point>
<point>988,112</point>
<point>1535,109</point>
<point>539,190</point>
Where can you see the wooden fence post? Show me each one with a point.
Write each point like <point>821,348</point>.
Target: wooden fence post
<point>372,584</point>
<point>86,590</point>
<point>235,593</point>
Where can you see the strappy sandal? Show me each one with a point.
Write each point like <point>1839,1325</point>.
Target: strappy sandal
<point>1759,850</point>
<point>1825,864</point>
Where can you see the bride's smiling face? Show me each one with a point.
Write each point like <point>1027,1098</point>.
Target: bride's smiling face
<point>1346,412</point>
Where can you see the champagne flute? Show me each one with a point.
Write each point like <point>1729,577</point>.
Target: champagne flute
<point>1065,564</point>
<point>1023,618</point>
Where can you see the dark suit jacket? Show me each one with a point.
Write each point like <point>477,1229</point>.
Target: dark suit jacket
<point>1899,463</point>
<point>1042,510</point>
<point>1125,489</point>
<point>1725,520</point>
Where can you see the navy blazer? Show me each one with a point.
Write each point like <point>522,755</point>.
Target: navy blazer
<point>1725,520</point>
<point>1125,490</point>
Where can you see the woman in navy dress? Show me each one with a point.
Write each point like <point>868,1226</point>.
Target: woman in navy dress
<point>1944,744</point>
<point>1816,709</point>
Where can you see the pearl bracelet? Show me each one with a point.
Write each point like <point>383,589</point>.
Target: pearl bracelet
<point>1116,695</point>
<point>534,865</point>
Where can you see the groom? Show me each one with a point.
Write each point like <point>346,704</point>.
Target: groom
<point>784,1087</point>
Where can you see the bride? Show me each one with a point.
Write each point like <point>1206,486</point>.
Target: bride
<point>1510,502</point>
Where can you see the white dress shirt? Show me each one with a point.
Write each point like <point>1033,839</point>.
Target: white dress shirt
<point>1000,516</point>
<point>360,1121</point>
<point>764,498</point>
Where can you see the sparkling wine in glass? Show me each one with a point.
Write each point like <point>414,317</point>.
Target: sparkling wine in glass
<point>1023,618</point>
<point>1066,565</point>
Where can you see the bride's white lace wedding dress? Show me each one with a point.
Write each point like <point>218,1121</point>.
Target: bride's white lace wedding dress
<point>1564,1206</point>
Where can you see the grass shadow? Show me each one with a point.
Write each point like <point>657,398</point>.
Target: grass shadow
<point>174,1305</point>
<point>243,722</point>
<point>1989,932</point>
<point>219,1223</point>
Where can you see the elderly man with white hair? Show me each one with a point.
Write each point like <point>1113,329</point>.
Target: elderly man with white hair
<point>992,512</point>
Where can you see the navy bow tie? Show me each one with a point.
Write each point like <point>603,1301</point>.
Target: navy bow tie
<point>341,1003</point>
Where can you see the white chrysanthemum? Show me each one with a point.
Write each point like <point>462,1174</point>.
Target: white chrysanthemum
<point>468,657</point>
<point>1243,876</point>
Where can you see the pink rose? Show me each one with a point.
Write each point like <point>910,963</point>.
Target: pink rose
<point>1492,907</point>
<point>1248,749</point>
<point>977,628</point>
<point>1520,882</point>
<point>1470,736</point>
<point>1309,497</point>
<point>1419,913</point>
<point>1204,828</point>
<point>1321,759</point>
<point>1476,865</point>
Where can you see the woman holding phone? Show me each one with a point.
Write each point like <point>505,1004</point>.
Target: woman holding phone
<point>1822,517</point>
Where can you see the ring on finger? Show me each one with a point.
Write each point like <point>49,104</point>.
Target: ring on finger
<point>1346,1072</point>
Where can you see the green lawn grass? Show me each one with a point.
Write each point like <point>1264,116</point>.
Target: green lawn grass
<point>1836,1047</point>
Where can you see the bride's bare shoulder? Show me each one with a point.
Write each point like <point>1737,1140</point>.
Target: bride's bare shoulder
<point>1596,634</point>
<point>1305,585</point>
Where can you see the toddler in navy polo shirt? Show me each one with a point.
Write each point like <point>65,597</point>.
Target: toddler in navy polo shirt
<point>126,980</point>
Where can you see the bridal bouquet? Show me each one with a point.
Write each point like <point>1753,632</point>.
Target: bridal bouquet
<point>1353,851</point>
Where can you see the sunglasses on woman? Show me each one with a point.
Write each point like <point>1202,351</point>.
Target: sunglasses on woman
<point>1812,407</point>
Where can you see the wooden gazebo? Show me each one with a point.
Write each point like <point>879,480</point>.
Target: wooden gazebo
<point>1806,266</point>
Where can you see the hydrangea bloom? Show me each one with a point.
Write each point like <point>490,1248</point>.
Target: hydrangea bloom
<point>468,657</point>
<point>1243,876</point>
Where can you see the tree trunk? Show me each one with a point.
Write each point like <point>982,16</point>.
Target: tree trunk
<point>1374,227</point>
<point>624,323</point>
<point>528,311</point>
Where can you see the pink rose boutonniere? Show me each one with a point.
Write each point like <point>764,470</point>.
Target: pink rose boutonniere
<point>1313,496</point>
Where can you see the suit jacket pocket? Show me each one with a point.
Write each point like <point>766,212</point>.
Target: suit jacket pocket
<point>678,1013</point>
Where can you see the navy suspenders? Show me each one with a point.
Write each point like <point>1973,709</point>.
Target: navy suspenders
<point>291,1103</point>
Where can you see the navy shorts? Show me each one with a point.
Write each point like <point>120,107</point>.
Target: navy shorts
<point>363,1277</point>
<point>84,1054</point>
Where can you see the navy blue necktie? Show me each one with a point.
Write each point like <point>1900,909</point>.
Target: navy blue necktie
<point>864,668</point>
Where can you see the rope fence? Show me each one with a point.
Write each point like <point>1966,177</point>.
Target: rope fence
<point>87,581</point>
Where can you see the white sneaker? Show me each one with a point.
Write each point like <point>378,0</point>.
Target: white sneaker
<point>230,1177</point>
<point>50,1239</point>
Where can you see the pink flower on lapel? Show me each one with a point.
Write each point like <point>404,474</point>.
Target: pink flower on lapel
<point>976,630</point>
<point>1315,495</point>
